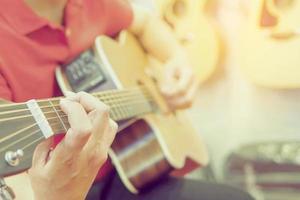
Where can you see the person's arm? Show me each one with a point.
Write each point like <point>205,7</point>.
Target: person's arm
<point>179,85</point>
<point>68,171</point>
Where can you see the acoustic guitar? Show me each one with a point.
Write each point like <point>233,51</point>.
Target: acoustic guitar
<point>195,32</point>
<point>151,143</point>
<point>270,44</point>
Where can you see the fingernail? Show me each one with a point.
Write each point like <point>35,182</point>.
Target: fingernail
<point>70,95</point>
<point>63,102</point>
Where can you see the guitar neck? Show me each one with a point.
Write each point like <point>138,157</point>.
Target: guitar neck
<point>21,130</point>
<point>124,104</point>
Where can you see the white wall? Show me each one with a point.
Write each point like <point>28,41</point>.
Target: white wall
<point>232,111</point>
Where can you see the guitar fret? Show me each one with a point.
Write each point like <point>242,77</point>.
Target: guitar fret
<point>57,114</point>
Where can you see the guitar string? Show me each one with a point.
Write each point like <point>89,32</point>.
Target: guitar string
<point>99,94</point>
<point>101,97</point>
<point>116,103</point>
<point>20,131</point>
<point>113,107</point>
<point>109,101</point>
<point>116,106</point>
<point>56,112</point>
<point>37,140</point>
<point>117,112</point>
<point>27,136</point>
<point>32,143</point>
<point>31,126</point>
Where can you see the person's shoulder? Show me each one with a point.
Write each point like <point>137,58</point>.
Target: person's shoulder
<point>119,15</point>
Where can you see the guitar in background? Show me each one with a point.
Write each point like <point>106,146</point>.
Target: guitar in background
<point>194,31</point>
<point>270,44</point>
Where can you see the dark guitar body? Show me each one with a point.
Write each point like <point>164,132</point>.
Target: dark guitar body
<point>140,155</point>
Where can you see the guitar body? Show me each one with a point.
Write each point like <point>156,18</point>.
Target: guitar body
<point>158,143</point>
<point>270,53</point>
<point>153,146</point>
<point>194,31</point>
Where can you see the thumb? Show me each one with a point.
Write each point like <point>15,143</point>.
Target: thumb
<point>169,81</point>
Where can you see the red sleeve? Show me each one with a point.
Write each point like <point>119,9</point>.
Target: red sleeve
<point>119,15</point>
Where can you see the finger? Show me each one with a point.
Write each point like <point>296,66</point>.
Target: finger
<point>169,72</point>
<point>78,134</point>
<point>113,130</point>
<point>41,153</point>
<point>71,96</point>
<point>100,135</point>
<point>78,119</point>
<point>177,90</point>
<point>97,150</point>
<point>100,123</point>
<point>185,80</point>
<point>90,103</point>
<point>186,100</point>
<point>98,113</point>
<point>180,84</point>
<point>110,133</point>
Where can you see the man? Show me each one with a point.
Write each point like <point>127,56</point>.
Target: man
<point>38,35</point>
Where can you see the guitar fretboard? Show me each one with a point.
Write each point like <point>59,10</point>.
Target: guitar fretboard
<point>124,104</point>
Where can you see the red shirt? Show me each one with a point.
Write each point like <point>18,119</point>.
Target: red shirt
<point>32,47</point>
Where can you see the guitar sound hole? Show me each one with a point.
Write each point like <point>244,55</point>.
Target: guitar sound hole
<point>140,155</point>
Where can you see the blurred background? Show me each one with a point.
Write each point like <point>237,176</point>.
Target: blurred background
<point>247,55</point>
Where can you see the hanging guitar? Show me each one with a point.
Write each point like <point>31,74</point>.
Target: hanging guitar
<point>197,35</point>
<point>270,44</point>
<point>152,146</point>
